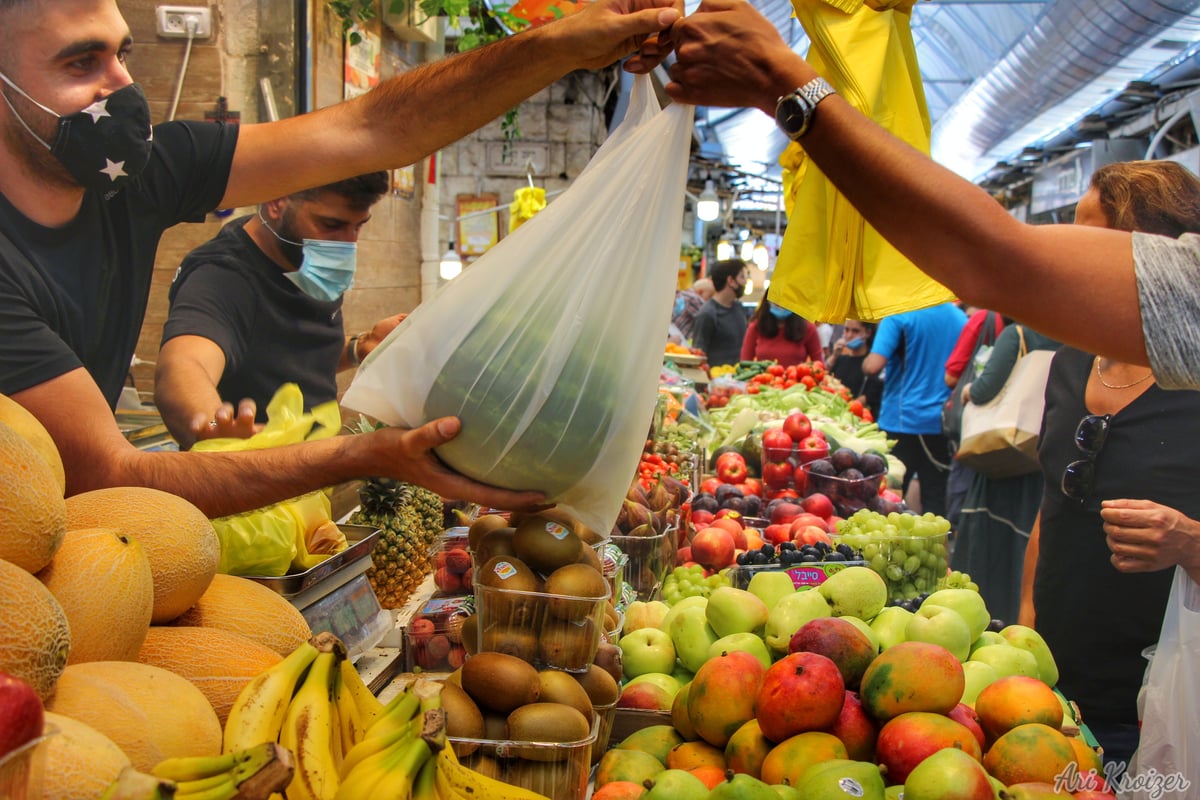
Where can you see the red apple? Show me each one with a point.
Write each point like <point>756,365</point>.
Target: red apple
<point>783,513</point>
<point>731,468</point>
<point>21,713</point>
<point>964,715</point>
<point>800,479</point>
<point>683,555</point>
<point>713,547</point>
<point>777,475</point>
<point>776,445</point>
<point>777,534</point>
<point>797,426</point>
<point>709,486</point>
<point>751,486</point>
<point>782,494</point>
<point>800,692</point>
<point>819,504</point>
<point>811,448</point>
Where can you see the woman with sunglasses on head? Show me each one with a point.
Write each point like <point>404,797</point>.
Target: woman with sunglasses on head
<point>1119,456</point>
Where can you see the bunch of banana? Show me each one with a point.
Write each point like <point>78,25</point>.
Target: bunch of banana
<point>314,704</point>
<point>253,774</point>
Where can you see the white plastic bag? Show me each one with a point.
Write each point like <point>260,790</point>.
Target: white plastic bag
<point>549,346</point>
<point>1168,753</point>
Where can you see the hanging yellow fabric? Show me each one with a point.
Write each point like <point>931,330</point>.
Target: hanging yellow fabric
<point>832,265</point>
<point>527,201</point>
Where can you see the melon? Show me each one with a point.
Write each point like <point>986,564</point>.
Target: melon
<point>101,578</point>
<point>78,761</point>
<point>149,712</point>
<point>178,539</point>
<point>239,605</point>
<point>29,428</point>
<point>218,663</point>
<point>35,637</point>
<point>33,517</point>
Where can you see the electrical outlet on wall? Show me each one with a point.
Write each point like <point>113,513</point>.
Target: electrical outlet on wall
<point>173,21</point>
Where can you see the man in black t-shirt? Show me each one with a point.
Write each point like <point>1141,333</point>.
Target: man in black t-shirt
<point>720,325</point>
<point>87,189</point>
<point>260,305</point>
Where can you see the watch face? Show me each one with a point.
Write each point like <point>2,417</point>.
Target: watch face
<point>792,115</point>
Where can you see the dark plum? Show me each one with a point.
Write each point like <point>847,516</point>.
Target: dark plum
<point>753,505</point>
<point>843,459</point>
<point>851,474</point>
<point>822,466</point>
<point>705,502</point>
<point>872,464</point>
<point>726,491</point>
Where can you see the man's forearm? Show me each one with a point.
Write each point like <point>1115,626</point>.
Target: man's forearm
<point>181,394</point>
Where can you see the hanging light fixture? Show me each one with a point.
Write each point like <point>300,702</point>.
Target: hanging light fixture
<point>724,250</point>
<point>451,264</point>
<point>761,256</point>
<point>708,205</point>
<point>747,251</point>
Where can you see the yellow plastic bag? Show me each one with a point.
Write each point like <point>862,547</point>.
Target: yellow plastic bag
<point>833,265</point>
<point>273,539</point>
<point>527,201</point>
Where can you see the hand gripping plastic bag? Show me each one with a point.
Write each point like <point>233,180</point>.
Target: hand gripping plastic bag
<point>833,265</point>
<point>273,539</point>
<point>548,348</point>
<point>1167,761</point>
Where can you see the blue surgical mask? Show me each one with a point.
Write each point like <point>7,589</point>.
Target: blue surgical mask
<point>779,313</point>
<point>326,267</point>
<point>854,344</point>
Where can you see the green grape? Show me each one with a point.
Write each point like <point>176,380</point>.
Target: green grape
<point>898,556</point>
<point>911,564</point>
<point>671,597</point>
<point>909,589</point>
<point>879,564</point>
<point>894,573</point>
<point>921,583</point>
<point>972,585</point>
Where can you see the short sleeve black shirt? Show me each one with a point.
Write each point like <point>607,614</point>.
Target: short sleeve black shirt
<point>229,292</point>
<point>77,294</point>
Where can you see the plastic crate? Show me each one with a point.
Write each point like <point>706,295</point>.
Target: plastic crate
<point>432,638</point>
<point>558,770</point>
<point>651,558</point>
<point>454,568</point>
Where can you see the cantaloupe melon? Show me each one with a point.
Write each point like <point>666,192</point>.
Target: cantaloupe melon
<point>178,539</point>
<point>149,712</point>
<point>78,762</point>
<point>29,428</point>
<point>33,517</point>
<point>35,637</point>
<point>240,605</point>
<point>101,578</point>
<point>218,663</point>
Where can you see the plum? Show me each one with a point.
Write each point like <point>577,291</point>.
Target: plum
<point>843,459</point>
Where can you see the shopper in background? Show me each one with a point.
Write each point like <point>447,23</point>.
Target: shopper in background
<point>776,334</point>
<point>997,514</point>
<point>721,322</point>
<point>1132,297</point>
<point>1110,431</point>
<point>260,305</point>
<point>688,303</point>
<point>913,346</point>
<point>966,349</point>
<point>87,191</point>
<point>845,363</point>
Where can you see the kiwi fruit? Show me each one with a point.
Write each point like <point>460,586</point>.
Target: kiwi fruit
<point>482,526</point>
<point>589,556</point>
<point>500,682</point>
<point>567,645</point>
<point>512,575</point>
<point>575,580</point>
<point>567,778</point>
<point>468,632</point>
<point>496,542</point>
<point>495,726</point>
<point>511,640</point>
<point>556,686</point>
<point>600,686</point>
<point>485,764</point>
<point>546,722</point>
<point>545,544</point>
<point>464,720</point>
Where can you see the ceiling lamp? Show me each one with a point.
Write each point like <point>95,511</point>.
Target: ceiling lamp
<point>724,250</point>
<point>761,256</point>
<point>747,252</point>
<point>451,264</point>
<point>708,206</point>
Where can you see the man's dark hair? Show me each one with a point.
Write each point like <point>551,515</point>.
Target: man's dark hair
<point>722,271</point>
<point>361,191</point>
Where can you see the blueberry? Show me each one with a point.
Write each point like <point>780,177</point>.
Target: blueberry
<point>823,547</point>
<point>758,558</point>
<point>809,550</point>
<point>834,557</point>
<point>810,558</point>
<point>846,550</point>
<point>741,559</point>
<point>787,546</point>
<point>767,550</point>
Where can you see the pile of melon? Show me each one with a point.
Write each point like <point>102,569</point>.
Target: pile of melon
<point>112,609</point>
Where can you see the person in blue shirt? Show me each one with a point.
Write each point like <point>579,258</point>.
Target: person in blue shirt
<point>914,346</point>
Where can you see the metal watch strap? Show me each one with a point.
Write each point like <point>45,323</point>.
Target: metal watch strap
<point>807,97</point>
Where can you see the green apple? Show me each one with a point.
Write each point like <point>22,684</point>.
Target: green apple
<point>646,650</point>
<point>1027,638</point>
<point>889,626</point>
<point>976,675</point>
<point>682,673</point>
<point>687,602</point>
<point>667,682</point>
<point>967,603</point>
<point>771,585</point>
<point>691,634</point>
<point>855,592</point>
<point>789,614</point>
<point>942,626</point>
<point>733,610</point>
<point>675,784</point>
<point>644,614</point>
<point>986,638</point>
<point>1007,660</point>
<point>866,629</point>
<point>750,643</point>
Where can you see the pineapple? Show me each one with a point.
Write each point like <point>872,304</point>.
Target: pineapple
<point>410,519</point>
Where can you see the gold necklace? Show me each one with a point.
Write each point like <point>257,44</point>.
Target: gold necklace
<point>1108,385</point>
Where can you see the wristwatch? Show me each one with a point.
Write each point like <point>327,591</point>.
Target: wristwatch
<point>794,111</point>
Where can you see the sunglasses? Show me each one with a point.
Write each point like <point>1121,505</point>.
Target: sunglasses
<point>1079,478</point>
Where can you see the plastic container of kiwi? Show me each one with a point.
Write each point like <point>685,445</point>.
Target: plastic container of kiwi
<point>547,630</point>
<point>558,770</point>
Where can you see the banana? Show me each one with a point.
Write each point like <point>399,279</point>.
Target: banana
<point>259,710</point>
<point>351,730</point>
<point>203,784</point>
<point>454,781</point>
<point>396,715</point>
<point>194,768</point>
<point>225,790</point>
<point>133,785</point>
<point>369,707</point>
<point>389,773</point>
<point>309,730</point>
<point>425,785</point>
<point>377,744</point>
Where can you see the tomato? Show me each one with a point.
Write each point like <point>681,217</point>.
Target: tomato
<point>809,382</point>
<point>753,388</point>
<point>856,408</point>
<point>775,369</point>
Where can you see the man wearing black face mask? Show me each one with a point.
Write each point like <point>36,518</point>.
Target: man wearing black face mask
<point>260,305</point>
<point>87,188</point>
<point>721,322</point>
